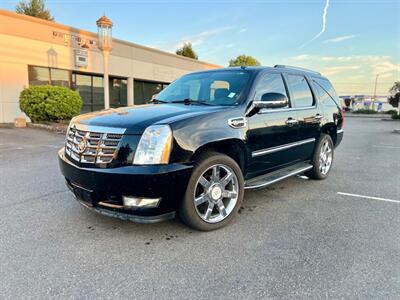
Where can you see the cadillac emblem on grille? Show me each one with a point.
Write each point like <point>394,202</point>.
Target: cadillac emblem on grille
<point>82,145</point>
<point>92,147</point>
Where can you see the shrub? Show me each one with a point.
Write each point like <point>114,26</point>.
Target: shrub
<point>50,103</point>
<point>365,111</point>
<point>396,116</point>
<point>391,112</point>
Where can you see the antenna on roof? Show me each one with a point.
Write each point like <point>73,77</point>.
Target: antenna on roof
<point>297,68</point>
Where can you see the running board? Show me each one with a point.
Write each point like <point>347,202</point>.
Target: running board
<point>270,178</point>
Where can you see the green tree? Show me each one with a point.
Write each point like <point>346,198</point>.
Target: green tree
<point>395,94</point>
<point>187,50</point>
<point>34,8</point>
<point>244,60</point>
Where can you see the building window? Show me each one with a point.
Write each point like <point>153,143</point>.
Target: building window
<point>90,88</point>
<point>60,77</point>
<point>118,92</point>
<point>49,76</point>
<point>38,75</point>
<point>145,90</point>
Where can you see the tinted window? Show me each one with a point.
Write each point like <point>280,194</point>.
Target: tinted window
<point>301,93</point>
<point>270,83</point>
<point>215,88</point>
<point>144,91</point>
<point>323,95</point>
<point>60,77</point>
<point>38,76</point>
<point>327,86</point>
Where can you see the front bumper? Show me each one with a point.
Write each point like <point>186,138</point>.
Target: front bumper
<point>101,190</point>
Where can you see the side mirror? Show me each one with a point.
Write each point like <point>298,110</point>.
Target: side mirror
<point>271,100</point>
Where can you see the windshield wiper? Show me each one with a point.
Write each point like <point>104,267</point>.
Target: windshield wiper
<point>191,101</point>
<point>158,101</point>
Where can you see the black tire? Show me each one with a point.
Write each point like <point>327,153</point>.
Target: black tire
<point>188,212</point>
<point>316,172</point>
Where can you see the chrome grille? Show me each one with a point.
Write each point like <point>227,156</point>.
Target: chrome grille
<point>91,147</point>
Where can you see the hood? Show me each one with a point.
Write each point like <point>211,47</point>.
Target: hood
<point>136,119</point>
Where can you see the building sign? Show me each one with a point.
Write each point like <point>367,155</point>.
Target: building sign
<point>81,58</point>
<point>74,40</point>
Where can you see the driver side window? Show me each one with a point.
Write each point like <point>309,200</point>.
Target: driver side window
<point>270,83</point>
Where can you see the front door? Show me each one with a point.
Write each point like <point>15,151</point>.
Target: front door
<point>272,133</point>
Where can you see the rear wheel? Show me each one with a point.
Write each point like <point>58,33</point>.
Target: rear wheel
<point>214,193</point>
<point>322,159</point>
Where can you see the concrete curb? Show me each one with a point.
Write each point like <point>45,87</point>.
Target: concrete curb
<point>57,128</point>
<point>376,116</point>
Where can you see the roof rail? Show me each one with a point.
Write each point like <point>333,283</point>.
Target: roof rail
<point>297,68</point>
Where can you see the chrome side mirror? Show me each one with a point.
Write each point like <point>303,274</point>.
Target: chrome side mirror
<point>271,100</point>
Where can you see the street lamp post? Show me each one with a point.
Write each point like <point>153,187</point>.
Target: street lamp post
<point>376,84</point>
<point>104,33</point>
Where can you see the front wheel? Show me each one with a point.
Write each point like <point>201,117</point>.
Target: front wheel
<point>322,158</point>
<point>214,193</point>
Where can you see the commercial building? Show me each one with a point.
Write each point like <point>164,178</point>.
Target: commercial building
<point>38,52</point>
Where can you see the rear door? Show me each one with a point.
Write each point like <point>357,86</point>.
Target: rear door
<point>271,132</point>
<point>308,114</point>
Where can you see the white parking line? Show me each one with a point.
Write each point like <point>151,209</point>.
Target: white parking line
<point>369,197</point>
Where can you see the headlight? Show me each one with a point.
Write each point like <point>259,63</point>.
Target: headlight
<point>154,146</point>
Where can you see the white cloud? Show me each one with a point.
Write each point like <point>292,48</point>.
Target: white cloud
<point>302,57</point>
<point>341,59</point>
<point>340,39</point>
<point>339,69</point>
<point>195,40</point>
<point>243,30</point>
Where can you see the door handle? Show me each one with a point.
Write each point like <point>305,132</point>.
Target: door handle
<point>291,121</point>
<point>318,117</point>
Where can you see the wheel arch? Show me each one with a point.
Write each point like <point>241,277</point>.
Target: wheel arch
<point>234,148</point>
<point>331,130</point>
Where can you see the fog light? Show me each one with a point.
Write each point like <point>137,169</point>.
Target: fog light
<point>140,202</point>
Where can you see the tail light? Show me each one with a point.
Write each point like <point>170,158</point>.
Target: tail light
<point>342,114</point>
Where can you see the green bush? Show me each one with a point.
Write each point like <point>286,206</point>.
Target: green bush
<point>395,116</point>
<point>365,111</point>
<point>50,103</point>
<point>391,112</point>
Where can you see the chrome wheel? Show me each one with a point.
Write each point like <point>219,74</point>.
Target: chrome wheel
<point>216,193</point>
<point>325,158</point>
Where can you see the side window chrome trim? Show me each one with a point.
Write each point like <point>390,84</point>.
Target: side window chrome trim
<point>267,111</point>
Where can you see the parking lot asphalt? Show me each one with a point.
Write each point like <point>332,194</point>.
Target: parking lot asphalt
<point>298,239</point>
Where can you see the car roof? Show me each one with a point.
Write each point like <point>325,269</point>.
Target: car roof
<point>277,68</point>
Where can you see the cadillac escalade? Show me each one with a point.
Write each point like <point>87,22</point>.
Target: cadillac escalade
<point>200,143</point>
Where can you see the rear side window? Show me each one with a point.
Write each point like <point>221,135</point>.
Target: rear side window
<point>327,87</point>
<point>301,92</point>
<point>323,95</point>
<point>270,83</point>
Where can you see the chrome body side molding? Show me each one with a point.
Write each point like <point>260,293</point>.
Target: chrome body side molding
<point>280,148</point>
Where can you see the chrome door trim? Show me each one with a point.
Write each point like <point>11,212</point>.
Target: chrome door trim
<point>273,110</point>
<point>280,148</point>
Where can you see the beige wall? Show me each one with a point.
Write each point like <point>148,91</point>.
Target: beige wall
<point>30,41</point>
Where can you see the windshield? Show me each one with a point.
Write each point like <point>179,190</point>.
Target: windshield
<point>212,88</point>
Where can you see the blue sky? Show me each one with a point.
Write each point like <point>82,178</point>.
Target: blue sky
<point>359,39</point>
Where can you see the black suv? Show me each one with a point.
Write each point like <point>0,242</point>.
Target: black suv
<point>201,142</point>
